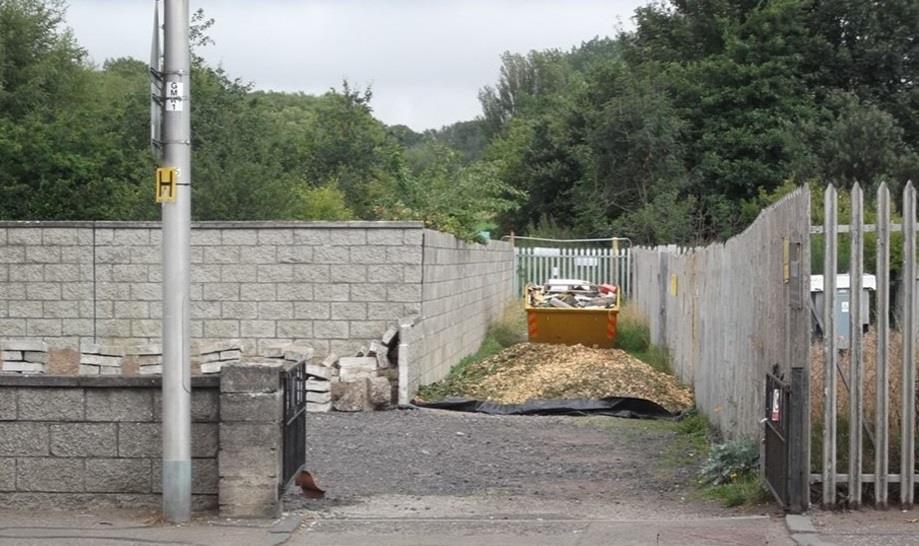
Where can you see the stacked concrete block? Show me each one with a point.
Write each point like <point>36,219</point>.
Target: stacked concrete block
<point>319,385</point>
<point>250,457</point>
<point>148,357</point>
<point>364,381</point>
<point>25,356</point>
<point>215,355</point>
<point>96,359</point>
<point>286,353</point>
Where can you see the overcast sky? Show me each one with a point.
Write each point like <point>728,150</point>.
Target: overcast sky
<point>426,59</point>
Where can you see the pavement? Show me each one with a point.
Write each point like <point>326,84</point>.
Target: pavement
<point>866,527</point>
<point>379,523</point>
<point>126,528</point>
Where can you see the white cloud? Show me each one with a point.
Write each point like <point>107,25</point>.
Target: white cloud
<point>426,59</point>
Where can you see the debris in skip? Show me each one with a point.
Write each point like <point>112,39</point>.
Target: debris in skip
<point>572,311</point>
<point>361,382</point>
<point>572,293</point>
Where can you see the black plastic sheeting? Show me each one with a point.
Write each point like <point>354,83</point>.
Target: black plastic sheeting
<point>616,406</point>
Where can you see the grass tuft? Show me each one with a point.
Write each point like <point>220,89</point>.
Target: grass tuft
<point>633,335</point>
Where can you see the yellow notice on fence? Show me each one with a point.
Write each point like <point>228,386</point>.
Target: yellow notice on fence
<point>166,180</point>
<point>786,260</point>
<point>674,285</point>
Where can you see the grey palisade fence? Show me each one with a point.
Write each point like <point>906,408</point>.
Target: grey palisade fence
<point>867,435</point>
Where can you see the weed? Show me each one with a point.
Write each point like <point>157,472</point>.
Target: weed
<point>745,490</point>
<point>729,461</point>
<point>633,335</point>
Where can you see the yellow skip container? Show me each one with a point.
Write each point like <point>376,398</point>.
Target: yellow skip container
<point>561,326</point>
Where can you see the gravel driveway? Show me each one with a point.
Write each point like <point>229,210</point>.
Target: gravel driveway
<point>432,452</point>
<point>463,473</point>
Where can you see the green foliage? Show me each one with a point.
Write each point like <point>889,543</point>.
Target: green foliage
<point>674,131</point>
<point>323,203</point>
<point>448,195</point>
<point>678,131</point>
<point>729,462</point>
<point>748,489</point>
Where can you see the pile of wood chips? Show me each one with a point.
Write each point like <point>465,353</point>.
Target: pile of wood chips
<point>540,371</point>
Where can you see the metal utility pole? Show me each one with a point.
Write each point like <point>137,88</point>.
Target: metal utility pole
<point>173,190</point>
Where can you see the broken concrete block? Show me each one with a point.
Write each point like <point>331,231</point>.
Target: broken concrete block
<point>352,396</point>
<point>147,349</point>
<point>209,357</point>
<point>296,353</point>
<point>380,391</point>
<point>274,350</point>
<point>35,356</point>
<point>318,397</point>
<point>357,367</point>
<point>11,355</point>
<point>99,349</point>
<point>389,336</point>
<point>24,345</point>
<point>383,361</point>
<point>318,385</point>
<point>330,360</point>
<point>220,346</point>
<point>312,407</point>
<point>357,363</point>
<point>376,348</point>
<point>231,355</point>
<point>89,370</point>
<point>321,372</point>
<point>147,360</point>
<point>212,367</point>
<point>25,367</point>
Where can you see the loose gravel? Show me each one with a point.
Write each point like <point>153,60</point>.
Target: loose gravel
<point>434,453</point>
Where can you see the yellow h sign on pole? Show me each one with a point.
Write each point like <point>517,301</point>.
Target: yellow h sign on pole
<point>166,179</point>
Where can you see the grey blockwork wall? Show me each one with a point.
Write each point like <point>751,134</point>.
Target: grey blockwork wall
<point>727,314</point>
<point>465,287</point>
<point>72,442</point>
<point>334,286</point>
<point>68,442</point>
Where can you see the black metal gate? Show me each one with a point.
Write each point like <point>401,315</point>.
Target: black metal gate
<point>293,440</point>
<point>776,463</point>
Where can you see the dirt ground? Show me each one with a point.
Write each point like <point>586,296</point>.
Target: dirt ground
<point>438,477</point>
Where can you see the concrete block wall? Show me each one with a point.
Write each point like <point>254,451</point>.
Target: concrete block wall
<point>72,442</point>
<point>465,287</point>
<point>334,286</point>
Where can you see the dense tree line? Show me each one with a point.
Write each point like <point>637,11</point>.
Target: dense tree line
<point>74,143</point>
<point>680,130</point>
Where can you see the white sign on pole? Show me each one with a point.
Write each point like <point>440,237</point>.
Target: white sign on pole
<point>175,96</point>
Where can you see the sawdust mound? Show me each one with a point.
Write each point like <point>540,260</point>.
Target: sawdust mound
<point>539,371</point>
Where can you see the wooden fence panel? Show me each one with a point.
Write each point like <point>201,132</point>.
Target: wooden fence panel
<point>723,312</point>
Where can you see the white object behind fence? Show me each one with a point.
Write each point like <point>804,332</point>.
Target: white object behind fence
<point>537,264</point>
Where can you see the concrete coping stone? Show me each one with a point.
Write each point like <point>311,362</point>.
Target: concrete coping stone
<point>113,381</point>
<point>354,224</point>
